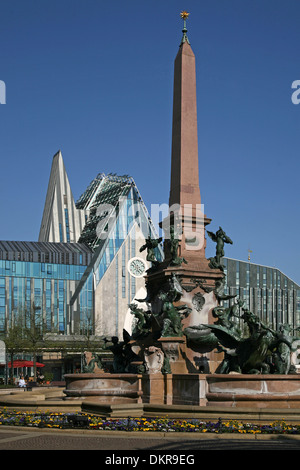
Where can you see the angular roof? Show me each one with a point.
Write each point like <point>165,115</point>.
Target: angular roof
<point>100,199</point>
<point>61,221</point>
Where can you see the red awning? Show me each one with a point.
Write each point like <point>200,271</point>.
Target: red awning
<point>22,363</point>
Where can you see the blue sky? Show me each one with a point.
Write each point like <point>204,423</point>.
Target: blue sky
<point>95,80</point>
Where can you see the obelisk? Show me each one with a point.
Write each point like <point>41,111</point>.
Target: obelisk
<point>184,228</point>
<point>184,165</point>
<point>185,199</point>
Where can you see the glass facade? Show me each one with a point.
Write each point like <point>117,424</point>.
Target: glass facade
<point>41,270</point>
<point>266,292</point>
<point>86,303</point>
<point>25,285</point>
<point>38,285</point>
<point>131,213</point>
<point>101,198</point>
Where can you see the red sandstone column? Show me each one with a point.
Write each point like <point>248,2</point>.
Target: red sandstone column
<point>184,167</point>
<point>184,187</point>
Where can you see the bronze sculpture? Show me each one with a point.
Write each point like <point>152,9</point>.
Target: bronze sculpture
<point>142,326</point>
<point>150,245</point>
<point>262,351</point>
<point>220,238</point>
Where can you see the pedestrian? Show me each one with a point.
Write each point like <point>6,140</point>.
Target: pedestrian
<point>22,382</point>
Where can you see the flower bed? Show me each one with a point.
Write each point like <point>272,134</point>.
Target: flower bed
<point>82,420</point>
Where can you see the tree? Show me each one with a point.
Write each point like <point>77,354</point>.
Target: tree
<point>85,339</point>
<point>14,342</point>
<point>33,333</point>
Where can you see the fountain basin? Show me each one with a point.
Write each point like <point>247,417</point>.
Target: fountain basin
<point>251,390</point>
<point>106,388</point>
<point>218,390</point>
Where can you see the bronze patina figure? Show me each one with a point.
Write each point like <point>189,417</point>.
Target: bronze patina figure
<point>173,246</point>
<point>150,245</point>
<point>172,316</point>
<point>261,351</point>
<point>90,367</point>
<point>220,238</point>
<point>142,326</point>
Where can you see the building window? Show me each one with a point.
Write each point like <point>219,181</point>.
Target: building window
<point>248,276</point>
<point>237,279</point>
<point>60,233</point>
<point>117,294</point>
<point>123,272</point>
<point>67,225</point>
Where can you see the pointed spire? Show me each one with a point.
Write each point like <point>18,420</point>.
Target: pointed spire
<point>184,15</point>
<point>61,221</point>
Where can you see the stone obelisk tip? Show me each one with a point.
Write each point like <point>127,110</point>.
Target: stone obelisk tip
<point>184,15</point>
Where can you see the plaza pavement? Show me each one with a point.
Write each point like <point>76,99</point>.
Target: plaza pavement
<point>16,438</point>
<point>27,438</point>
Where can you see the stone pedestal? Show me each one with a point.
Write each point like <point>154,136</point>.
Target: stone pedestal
<point>198,282</point>
<point>168,389</point>
<point>189,389</point>
<point>153,388</point>
<point>174,349</point>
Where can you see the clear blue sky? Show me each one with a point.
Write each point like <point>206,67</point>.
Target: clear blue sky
<point>95,79</point>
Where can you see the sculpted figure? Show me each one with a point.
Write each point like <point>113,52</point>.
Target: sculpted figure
<point>143,324</point>
<point>90,366</point>
<point>172,320</point>
<point>171,245</point>
<point>283,346</point>
<point>117,348</point>
<point>220,238</point>
<point>154,358</point>
<point>224,316</point>
<point>262,351</point>
<point>174,242</point>
<point>172,315</point>
<point>150,245</point>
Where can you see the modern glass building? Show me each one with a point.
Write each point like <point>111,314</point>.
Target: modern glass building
<point>117,227</point>
<point>266,291</point>
<point>43,276</point>
<point>112,222</point>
